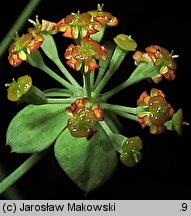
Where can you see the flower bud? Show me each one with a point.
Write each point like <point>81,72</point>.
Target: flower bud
<point>125,42</point>
<point>23,91</point>
<point>131,154</point>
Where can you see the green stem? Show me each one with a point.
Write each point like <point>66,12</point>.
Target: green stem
<point>12,192</point>
<point>50,49</point>
<point>36,60</point>
<point>104,63</point>
<point>57,77</point>
<point>127,115</point>
<point>92,78</point>
<point>142,71</point>
<point>115,90</point>
<point>86,78</point>
<point>60,100</point>
<point>112,121</point>
<point>106,128</point>
<point>111,135</point>
<point>113,107</point>
<point>29,9</point>
<point>115,62</point>
<point>20,171</point>
<point>67,74</point>
<point>57,92</point>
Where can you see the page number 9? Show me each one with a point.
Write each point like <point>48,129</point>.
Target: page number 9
<point>184,207</point>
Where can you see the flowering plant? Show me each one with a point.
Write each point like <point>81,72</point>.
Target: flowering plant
<point>77,120</point>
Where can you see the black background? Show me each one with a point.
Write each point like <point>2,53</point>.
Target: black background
<point>164,172</point>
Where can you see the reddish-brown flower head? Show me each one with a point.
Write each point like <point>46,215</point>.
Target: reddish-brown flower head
<point>157,111</point>
<point>161,58</point>
<point>84,118</point>
<point>78,25</point>
<point>85,55</point>
<point>26,44</point>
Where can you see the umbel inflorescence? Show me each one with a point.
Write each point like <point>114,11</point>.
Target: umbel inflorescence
<point>77,119</point>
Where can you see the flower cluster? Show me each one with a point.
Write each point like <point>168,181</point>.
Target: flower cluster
<point>81,25</point>
<point>26,44</point>
<point>157,111</point>
<point>76,26</point>
<point>85,54</point>
<point>161,58</point>
<point>84,118</point>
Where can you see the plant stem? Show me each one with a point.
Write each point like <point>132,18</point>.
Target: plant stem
<point>30,7</point>
<point>111,135</point>
<point>36,60</point>
<point>127,115</point>
<point>86,78</point>
<point>50,49</point>
<point>12,192</point>
<point>104,63</point>
<point>57,77</point>
<point>106,128</point>
<point>127,112</point>
<point>60,100</point>
<point>67,74</point>
<point>20,171</point>
<point>92,78</point>
<point>115,62</point>
<point>113,107</point>
<point>142,71</point>
<point>57,92</point>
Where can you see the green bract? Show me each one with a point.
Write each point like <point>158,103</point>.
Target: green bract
<point>89,163</point>
<point>35,128</point>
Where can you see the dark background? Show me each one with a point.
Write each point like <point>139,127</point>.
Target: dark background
<point>164,172</point>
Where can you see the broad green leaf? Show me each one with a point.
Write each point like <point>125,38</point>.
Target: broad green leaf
<point>88,163</point>
<point>36,127</point>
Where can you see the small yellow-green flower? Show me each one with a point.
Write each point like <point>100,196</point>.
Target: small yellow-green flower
<point>125,42</point>
<point>177,122</point>
<point>131,154</point>
<point>18,88</point>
